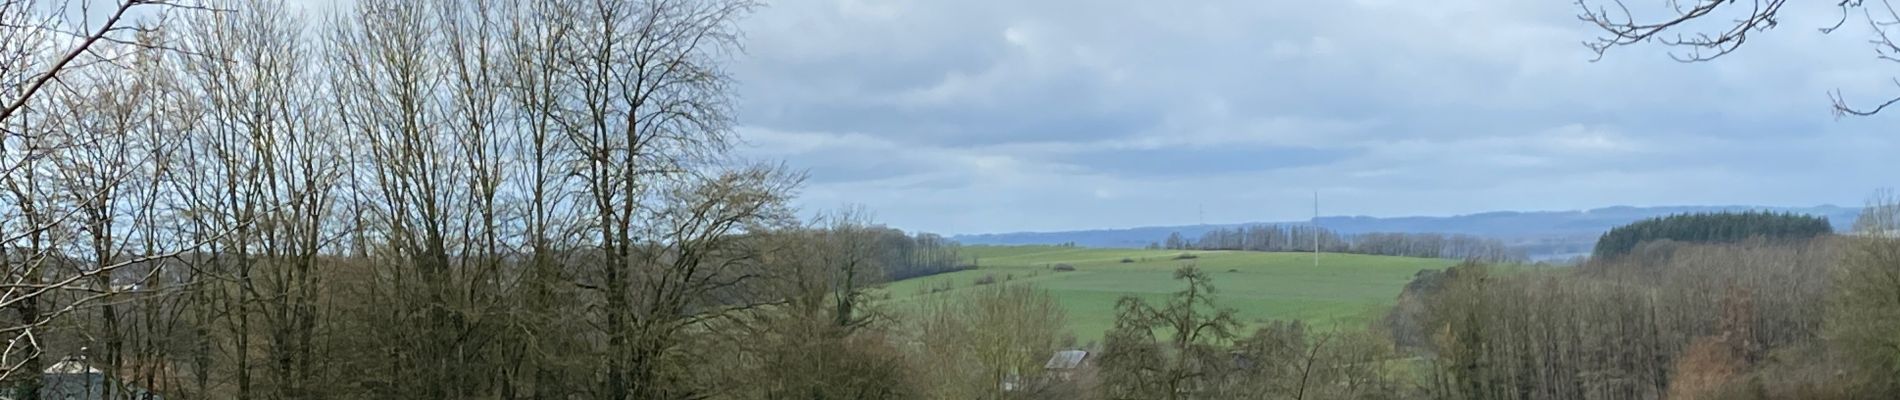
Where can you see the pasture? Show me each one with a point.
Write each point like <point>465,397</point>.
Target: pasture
<point>1345,290</point>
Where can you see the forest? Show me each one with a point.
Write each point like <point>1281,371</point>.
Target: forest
<point>1756,319</point>
<point>1723,227</point>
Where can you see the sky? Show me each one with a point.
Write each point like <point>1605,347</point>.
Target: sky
<point>976,116</point>
<point>984,116</point>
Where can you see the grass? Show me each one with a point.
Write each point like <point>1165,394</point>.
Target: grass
<point>1345,289</point>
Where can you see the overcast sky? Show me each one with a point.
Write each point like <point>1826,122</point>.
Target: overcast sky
<point>977,116</point>
<point>971,116</point>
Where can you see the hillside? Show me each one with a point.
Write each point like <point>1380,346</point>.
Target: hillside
<point>1543,234</point>
<point>1344,290</point>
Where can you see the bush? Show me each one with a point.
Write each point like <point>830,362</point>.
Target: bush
<point>1064,268</point>
<point>1233,270</point>
<point>1128,260</point>
<point>1186,256</point>
<point>986,279</point>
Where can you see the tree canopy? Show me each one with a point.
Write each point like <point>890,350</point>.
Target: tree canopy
<point>1724,227</point>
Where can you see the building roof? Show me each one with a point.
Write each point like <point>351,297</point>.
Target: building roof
<point>73,379</point>
<point>1066,359</point>
<point>72,366</point>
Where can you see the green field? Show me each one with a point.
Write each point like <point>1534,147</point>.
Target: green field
<point>1345,289</point>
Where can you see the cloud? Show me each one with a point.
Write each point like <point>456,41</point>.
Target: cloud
<point>963,116</point>
<point>997,115</point>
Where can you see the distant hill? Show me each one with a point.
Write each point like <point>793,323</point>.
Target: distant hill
<point>1543,234</point>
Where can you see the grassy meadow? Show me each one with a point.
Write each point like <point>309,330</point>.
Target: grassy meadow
<point>1345,289</point>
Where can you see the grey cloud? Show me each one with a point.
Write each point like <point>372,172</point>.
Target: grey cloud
<point>1201,162</point>
<point>963,116</point>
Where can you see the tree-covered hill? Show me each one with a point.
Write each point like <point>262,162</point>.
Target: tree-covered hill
<point>1720,227</point>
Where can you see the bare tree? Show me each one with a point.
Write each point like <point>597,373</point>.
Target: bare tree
<point>1704,30</point>
<point>259,168</point>
<point>28,27</point>
<point>1867,292</point>
<point>989,342</point>
<point>389,80</point>
<point>1139,363</point>
<point>652,108</point>
<point>536,89</point>
<point>469,173</point>
<point>75,158</point>
<point>851,263</point>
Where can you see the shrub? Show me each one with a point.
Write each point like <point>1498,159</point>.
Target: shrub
<point>1233,270</point>
<point>1064,267</point>
<point>1702,371</point>
<point>1186,256</point>
<point>1128,260</point>
<point>986,279</point>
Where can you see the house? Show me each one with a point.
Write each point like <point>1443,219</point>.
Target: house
<point>1061,369</point>
<point>1064,364</point>
<point>73,379</point>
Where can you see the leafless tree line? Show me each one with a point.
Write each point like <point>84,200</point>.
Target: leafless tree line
<point>1754,320</point>
<point>1631,330</point>
<point>407,199</point>
<point>1306,238</point>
